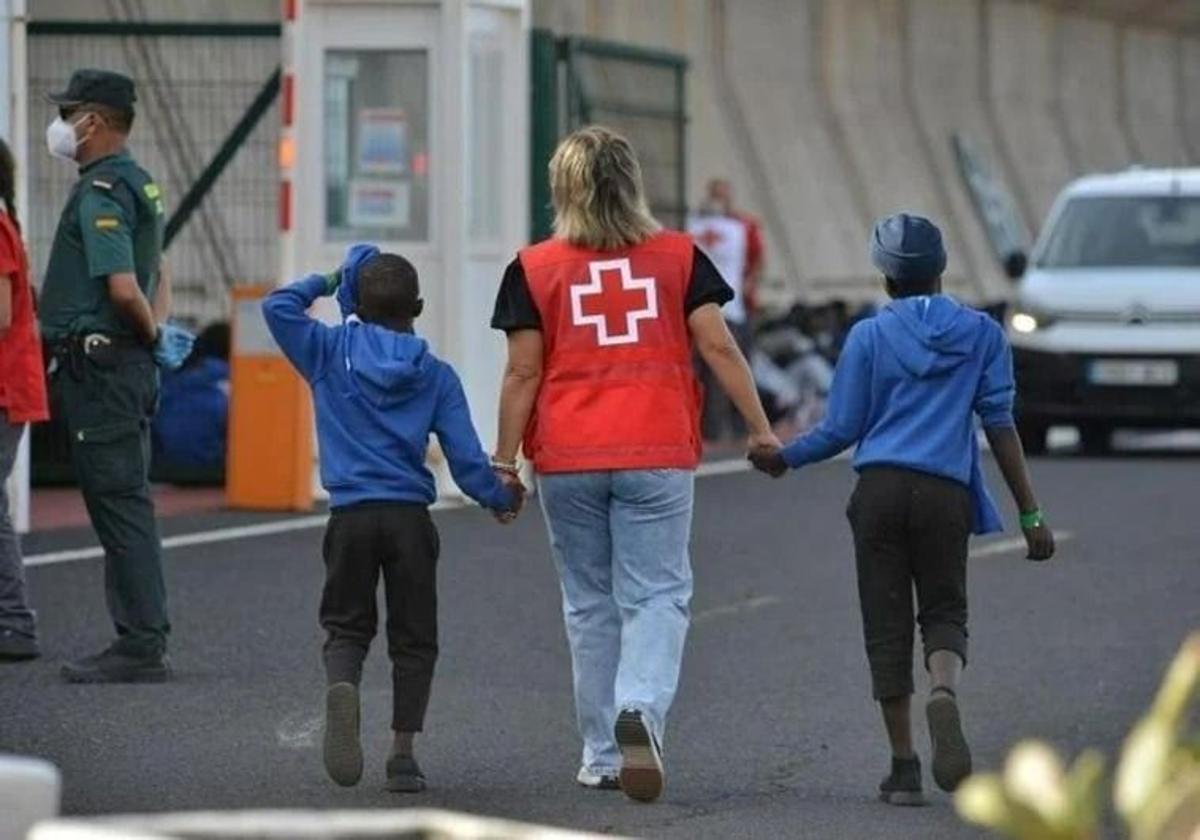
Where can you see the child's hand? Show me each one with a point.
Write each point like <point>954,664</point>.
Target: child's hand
<point>513,482</point>
<point>764,451</point>
<point>1040,540</point>
<point>769,461</point>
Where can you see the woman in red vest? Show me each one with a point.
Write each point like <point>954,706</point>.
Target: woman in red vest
<point>602,320</point>
<point>22,401</point>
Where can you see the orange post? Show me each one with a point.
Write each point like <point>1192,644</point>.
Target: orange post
<point>270,460</point>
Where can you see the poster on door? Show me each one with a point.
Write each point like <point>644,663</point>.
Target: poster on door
<point>382,141</point>
<point>378,203</point>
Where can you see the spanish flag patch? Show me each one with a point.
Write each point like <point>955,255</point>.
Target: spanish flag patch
<point>107,223</point>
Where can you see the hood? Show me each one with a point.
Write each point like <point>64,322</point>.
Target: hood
<point>388,367</point>
<point>929,335</point>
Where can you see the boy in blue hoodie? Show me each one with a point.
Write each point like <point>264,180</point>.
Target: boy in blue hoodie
<point>908,386</point>
<point>379,392</point>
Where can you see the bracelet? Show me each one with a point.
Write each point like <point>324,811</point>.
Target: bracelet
<point>510,467</point>
<point>1033,519</point>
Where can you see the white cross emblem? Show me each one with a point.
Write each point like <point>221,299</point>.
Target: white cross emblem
<point>629,283</point>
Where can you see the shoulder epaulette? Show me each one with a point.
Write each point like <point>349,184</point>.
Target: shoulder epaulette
<point>104,185</point>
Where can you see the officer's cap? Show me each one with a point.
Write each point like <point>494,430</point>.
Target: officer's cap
<point>102,87</point>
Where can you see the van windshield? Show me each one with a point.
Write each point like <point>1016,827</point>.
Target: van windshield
<point>1115,231</point>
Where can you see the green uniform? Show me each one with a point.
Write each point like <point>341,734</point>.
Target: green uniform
<point>112,224</point>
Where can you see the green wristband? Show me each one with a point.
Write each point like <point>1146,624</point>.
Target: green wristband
<point>333,279</point>
<point>1033,519</point>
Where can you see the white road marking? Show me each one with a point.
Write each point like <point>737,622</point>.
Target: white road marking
<point>301,523</point>
<point>300,730</point>
<point>991,549</point>
<point>747,605</point>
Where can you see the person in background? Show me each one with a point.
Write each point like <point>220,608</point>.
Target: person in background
<point>733,241</point>
<point>104,308</point>
<point>908,387</point>
<point>191,428</point>
<point>22,401</point>
<point>379,393</point>
<point>602,321</point>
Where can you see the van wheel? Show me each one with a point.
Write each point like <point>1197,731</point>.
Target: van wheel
<point>1033,436</point>
<point>1095,439</point>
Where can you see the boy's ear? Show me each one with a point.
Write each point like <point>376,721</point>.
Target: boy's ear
<point>418,308</point>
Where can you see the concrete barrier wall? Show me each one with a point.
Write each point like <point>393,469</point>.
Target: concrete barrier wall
<point>826,113</point>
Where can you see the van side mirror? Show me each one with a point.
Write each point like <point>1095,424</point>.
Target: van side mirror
<point>1015,264</point>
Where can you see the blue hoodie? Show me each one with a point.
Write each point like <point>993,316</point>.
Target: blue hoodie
<point>906,390</point>
<point>378,395</point>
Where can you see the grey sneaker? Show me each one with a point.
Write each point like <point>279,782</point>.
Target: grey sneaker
<point>16,647</point>
<point>116,665</point>
<point>342,751</point>
<point>404,775</point>
<point>598,780</point>
<point>641,758</point>
<point>903,786</point>
<point>951,754</point>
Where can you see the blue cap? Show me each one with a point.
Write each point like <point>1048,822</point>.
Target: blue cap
<point>908,248</point>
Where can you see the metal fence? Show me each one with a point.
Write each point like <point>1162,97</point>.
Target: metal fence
<point>196,84</point>
<point>639,92</point>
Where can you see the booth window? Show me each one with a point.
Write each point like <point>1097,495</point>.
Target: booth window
<point>485,130</point>
<point>377,145</point>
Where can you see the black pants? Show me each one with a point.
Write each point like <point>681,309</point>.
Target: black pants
<point>401,541</point>
<point>910,529</point>
<point>108,410</point>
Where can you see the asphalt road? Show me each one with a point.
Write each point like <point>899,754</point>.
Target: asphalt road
<point>774,733</point>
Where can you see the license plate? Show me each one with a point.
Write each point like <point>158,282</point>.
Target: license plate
<point>1152,373</point>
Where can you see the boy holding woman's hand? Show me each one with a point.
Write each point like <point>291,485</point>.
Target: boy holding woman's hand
<point>379,393</point>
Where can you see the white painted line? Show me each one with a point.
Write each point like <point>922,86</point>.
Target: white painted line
<point>747,605</point>
<point>302,523</point>
<point>1014,544</point>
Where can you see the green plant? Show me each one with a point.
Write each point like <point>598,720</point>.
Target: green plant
<point>1157,785</point>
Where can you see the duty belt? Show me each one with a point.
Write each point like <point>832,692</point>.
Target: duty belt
<point>104,351</point>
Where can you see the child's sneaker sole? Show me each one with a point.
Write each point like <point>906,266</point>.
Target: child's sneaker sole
<point>641,766</point>
<point>951,755</point>
<point>343,752</point>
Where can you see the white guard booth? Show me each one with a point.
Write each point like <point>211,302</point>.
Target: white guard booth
<point>405,124</point>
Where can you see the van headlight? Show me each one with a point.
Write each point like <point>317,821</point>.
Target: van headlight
<point>1026,321</point>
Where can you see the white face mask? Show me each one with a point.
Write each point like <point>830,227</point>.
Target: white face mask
<point>61,140</point>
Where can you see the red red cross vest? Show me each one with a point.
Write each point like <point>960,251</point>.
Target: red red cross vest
<point>618,389</point>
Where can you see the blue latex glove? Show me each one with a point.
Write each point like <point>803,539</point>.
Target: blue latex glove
<point>347,291</point>
<point>173,347</point>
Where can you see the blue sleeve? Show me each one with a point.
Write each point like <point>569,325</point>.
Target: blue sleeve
<point>845,414</point>
<point>469,464</point>
<point>997,387</point>
<point>305,341</point>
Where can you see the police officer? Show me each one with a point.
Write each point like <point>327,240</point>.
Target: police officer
<point>104,305</point>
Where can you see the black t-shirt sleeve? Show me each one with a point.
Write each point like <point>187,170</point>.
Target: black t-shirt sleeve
<point>515,309</point>
<point>707,286</point>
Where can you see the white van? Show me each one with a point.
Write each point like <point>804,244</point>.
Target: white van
<point>1106,326</point>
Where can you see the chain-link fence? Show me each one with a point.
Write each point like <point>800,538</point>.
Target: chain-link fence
<point>195,84</point>
<point>639,92</point>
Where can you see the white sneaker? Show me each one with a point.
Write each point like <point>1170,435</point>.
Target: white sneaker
<point>598,781</point>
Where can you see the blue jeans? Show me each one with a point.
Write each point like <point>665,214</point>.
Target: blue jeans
<point>620,542</point>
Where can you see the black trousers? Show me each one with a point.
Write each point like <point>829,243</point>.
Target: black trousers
<point>911,530</point>
<point>401,541</point>
<point>108,410</point>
